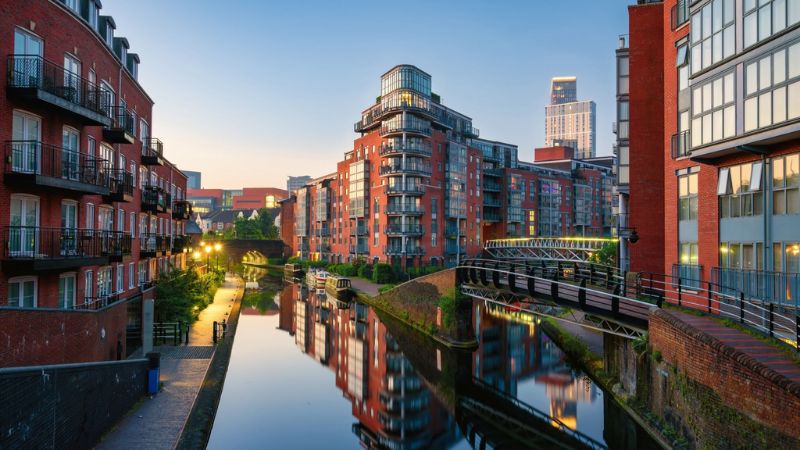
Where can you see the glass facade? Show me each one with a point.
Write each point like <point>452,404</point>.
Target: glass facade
<point>359,189</point>
<point>713,34</point>
<point>772,88</point>
<point>763,18</point>
<point>713,110</point>
<point>739,190</point>
<point>406,77</point>
<point>549,208</point>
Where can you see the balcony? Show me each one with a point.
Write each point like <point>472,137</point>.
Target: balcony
<point>120,187</point>
<point>153,152</point>
<point>398,250</point>
<point>413,189</point>
<point>38,249</point>
<point>31,164</point>
<point>491,186</point>
<point>155,200</point>
<point>44,84</point>
<point>491,217</point>
<point>152,245</point>
<point>404,230</point>
<point>182,210</point>
<point>452,249</point>
<point>681,145</point>
<point>115,245</point>
<point>180,242</point>
<point>121,129</point>
<point>415,127</point>
<point>493,202</point>
<point>358,249</point>
<point>781,288</point>
<point>421,150</point>
<point>454,231</point>
<point>407,209</point>
<point>423,170</point>
<point>360,230</point>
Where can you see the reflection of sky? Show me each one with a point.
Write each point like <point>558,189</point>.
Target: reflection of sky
<point>277,397</point>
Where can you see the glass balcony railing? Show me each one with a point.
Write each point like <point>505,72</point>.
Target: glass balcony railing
<point>409,168</point>
<point>415,149</point>
<point>403,230</point>
<point>404,209</point>
<point>398,250</point>
<point>681,145</point>
<point>408,189</point>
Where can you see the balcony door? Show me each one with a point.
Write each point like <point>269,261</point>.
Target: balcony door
<point>70,154</point>
<point>26,133</point>
<point>24,229</point>
<point>72,77</point>
<point>105,221</point>
<point>69,228</point>
<point>28,59</point>
<point>66,291</point>
<point>22,292</point>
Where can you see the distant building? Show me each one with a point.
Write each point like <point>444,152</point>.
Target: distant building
<point>195,179</point>
<point>569,122</point>
<point>295,183</point>
<point>259,198</point>
<point>209,200</point>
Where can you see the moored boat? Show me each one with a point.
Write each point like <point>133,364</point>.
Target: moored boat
<point>339,287</point>
<point>292,271</point>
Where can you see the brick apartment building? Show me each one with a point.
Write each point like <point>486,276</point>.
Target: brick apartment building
<point>210,200</point>
<point>90,210</point>
<point>729,153</point>
<point>421,188</point>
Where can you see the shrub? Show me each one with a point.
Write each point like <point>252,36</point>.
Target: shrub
<point>447,303</point>
<point>386,287</point>
<point>382,273</point>
<point>294,260</point>
<point>365,271</point>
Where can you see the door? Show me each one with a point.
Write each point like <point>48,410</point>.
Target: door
<point>26,150</point>
<point>66,291</point>
<point>105,222</point>
<point>22,292</point>
<point>24,229</point>
<point>70,156</point>
<point>27,60</point>
<point>72,77</point>
<point>69,229</point>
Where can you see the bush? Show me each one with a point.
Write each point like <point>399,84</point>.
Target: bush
<point>365,271</point>
<point>386,288</point>
<point>382,273</point>
<point>182,293</point>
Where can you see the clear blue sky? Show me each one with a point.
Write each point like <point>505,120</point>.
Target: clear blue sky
<point>250,91</point>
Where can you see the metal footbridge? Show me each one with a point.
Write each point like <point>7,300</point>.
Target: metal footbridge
<point>572,249</point>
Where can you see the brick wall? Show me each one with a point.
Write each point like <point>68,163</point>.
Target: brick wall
<point>736,378</point>
<point>67,406</point>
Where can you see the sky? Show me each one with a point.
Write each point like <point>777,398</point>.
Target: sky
<point>251,91</point>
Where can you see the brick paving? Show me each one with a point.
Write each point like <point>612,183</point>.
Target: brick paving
<point>157,422</point>
<point>365,286</point>
<point>762,352</point>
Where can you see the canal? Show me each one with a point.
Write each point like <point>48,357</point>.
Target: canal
<point>310,372</point>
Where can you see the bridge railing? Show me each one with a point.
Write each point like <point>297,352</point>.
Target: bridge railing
<point>769,318</point>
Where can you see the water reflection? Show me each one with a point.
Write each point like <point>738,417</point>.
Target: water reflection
<point>404,391</point>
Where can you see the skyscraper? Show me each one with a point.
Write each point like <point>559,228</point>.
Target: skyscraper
<point>569,122</point>
<point>194,179</point>
<point>295,183</point>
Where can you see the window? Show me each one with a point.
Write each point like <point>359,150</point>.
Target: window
<point>712,34</point>
<point>713,111</point>
<point>683,66</point>
<point>687,197</point>
<point>763,18</point>
<point>88,283</point>
<point>72,4</point>
<point>22,292</point>
<point>104,282</point>
<point>26,44</point>
<point>739,190</point>
<point>66,291</point>
<point>72,74</point>
<point>120,278</point>
<point>772,88</point>
<point>92,14</point>
<point>736,255</point>
<point>108,93</point>
<point>623,118</point>
<point>132,225</point>
<point>131,275</point>
<point>785,177</point>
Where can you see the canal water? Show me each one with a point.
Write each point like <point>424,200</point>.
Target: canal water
<point>308,371</point>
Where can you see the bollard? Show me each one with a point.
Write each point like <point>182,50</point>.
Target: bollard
<point>741,307</point>
<point>153,372</point>
<point>771,319</point>
<point>214,331</point>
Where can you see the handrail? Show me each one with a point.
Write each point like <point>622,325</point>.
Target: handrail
<point>35,157</point>
<point>44,243</point>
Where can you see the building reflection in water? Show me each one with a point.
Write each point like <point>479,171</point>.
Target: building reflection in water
<point>513,349</point>
<point>392,404</point>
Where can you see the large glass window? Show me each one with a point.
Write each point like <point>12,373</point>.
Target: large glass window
<point>739,190</point>
<point>713,110</point>
<point>713,34</point>
<point>763,18</point>
<point>785,183</point>
<point>22,292</point>
<point>772,88</point>
<point>687,197</point>
<point>408,78</point>
<point>683,66</point>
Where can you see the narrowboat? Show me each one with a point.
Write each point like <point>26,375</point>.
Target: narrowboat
<point>292,271</point>
<point>338,287</point>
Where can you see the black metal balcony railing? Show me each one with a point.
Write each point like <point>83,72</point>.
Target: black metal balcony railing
<point>363,248</point>
<point>781,288</point>
<point>404,208</point>
<point>67,90</point>
<point>122,129</point>
<point>422,150</point>
<point>99,302</point>
<point>411,189</point>
<point>120,186</point>
<point>155,199</point>
<point>687,276</point>
<point>42,164</point>
<point>115,244</point>
<point>491,217</point>
<point>407,229</point>
<point>412,169</point>
<point>182,210</point>
<point>452,230</point>
<point>488,201</point>
<point>180,242</point>
<point>409,250</point>
<point>152,152</point>
<point>151,244</point>
<point>42,243</point>
<point>360,230</point>
<point>681,144</point>
<point>491,186</point>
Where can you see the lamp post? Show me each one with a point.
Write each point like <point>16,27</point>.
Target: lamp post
<point>217,248</point>
<point>208,253</point>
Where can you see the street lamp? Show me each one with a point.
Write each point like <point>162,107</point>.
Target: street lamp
<point>208,253</point>
<point>217,248</point>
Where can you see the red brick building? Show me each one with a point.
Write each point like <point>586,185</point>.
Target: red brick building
<point>90,211</point>
<point>730,149</point>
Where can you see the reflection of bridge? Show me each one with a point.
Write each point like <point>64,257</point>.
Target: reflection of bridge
<point>578,249</point>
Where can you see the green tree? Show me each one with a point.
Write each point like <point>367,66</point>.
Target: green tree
<point>607,255</point>
<point>267,224</point>
<point>247,229</point>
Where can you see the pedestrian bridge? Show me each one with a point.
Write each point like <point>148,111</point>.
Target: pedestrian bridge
<point>605,299</point>
<point>572,249</point>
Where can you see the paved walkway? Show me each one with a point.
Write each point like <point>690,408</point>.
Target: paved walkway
<point>762,352</point>
<point>365,286</point>
<point>157,422</point>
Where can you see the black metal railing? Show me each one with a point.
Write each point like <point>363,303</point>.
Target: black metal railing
<point>452,230</point>
<point>409,168</point>
<point>121,119</point>
<point>121,183</point>
<point>115,243</point>
<point>152,151</point>
<point>153,243</point>
<point>182,210</point>
<point>491,217</point>
<point>487,201</point>
<point>98,302</point>
<point>409,250</point>
<point>180,242</point>
<point>36,158</point>
<point>35,72</point>
<point>681,144</point>
<point>363,248</point>
<point>404,208</point>
<point>411,189</point>
<point>43,243</point>
<point>782,288</point>
<point>407,229</point>
<point>155,199</point>
<point>491,186</point>
<point>360,230</point>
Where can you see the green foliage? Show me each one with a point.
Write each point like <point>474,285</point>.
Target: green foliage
<point>247,229</point>
<point>261,300</point>
<point>345,269</point>
<point>657,356</point>
<point>365,271</point>
<point>606,256</point>
<point>266,224</point>
<point>386,288</point>
<point>382,273</point>
<point>182,293</point>
<point>640,344</point>
<point>447,303</point>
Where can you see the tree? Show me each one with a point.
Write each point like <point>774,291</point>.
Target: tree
<point>247,229</point>
<point>267,224</point>
<point>607,255</point>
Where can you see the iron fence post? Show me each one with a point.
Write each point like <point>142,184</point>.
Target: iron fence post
<point>582,294</point>
<point>624,283</point>
<point>741,307</point>
<point>214,332</point>
<point>709,297</point>
<point>558,271</point>
<point>680,291</point>
<point>615,301</point>
<point>771,319</point>
<point>797,331</point>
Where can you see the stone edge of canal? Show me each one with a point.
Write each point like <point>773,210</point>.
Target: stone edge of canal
<point>197,429</point>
